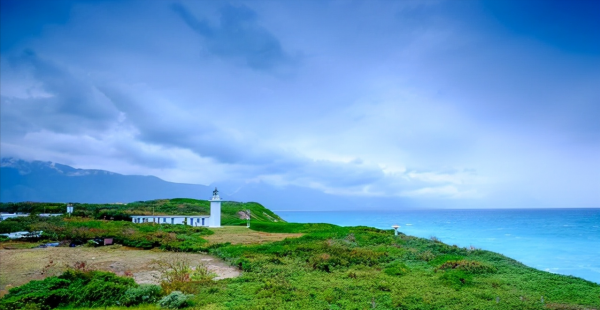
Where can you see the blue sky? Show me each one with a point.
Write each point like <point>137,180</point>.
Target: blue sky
<point>445,103</point>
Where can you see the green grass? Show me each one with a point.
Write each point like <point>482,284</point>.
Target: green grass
<point>177,206</point>
<point>332,267</point>
<point>140,307</point>
<point>335,267</point>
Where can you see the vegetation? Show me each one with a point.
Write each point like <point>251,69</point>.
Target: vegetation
<point>80,288</point>
<point>230,210</point>
<point>81,230</point>
<point>175,300</point>
<point>328,267</point>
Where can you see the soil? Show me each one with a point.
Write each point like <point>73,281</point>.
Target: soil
<point>19,263</point>
<point>19,266</point>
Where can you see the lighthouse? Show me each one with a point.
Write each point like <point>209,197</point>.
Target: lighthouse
<point>215,210</point>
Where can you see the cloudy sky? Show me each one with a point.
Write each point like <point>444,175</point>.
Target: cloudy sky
<point>486,103</point>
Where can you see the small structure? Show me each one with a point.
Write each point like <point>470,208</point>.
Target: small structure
<point>212,220</point>
<point>5,216</point>
<point>23,234</point>
<point>395,226</point>
<point>248,214</point>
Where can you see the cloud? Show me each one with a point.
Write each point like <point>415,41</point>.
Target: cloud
<point>171,126</point>
<point>434,98</point>
<point>64,112</point>
<point>447,191</point>
<point>238,37</point>
<point>457,178</point>
<point>25,19</point>
<point>54,99</point>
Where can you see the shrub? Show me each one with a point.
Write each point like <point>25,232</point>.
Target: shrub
<point>323,262</point>
<point>145,293</point>
<point>179,275</point>
<point>78,288</point>
<point>426,256</point>
<point>48,293</point>
<point>456,278</point>
<point>441,259</point>
<point>244,264</point>
<point>396,269</point>
<point>96,288</point>
<point>32,307</point>
<point>467,266</point>
<point>175,300</point>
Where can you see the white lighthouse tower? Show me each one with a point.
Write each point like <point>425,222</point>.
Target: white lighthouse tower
<point>215,210</point>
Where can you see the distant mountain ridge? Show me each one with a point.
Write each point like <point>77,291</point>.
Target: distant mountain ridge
<point>42,181</point>
<point>22,180</point>
<point>27,167</point>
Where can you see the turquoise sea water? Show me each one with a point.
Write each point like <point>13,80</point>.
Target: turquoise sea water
<point>564,241</point>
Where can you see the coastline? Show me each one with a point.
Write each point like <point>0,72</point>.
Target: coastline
<point>561,242</point>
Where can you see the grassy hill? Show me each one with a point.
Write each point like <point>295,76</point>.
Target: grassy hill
<point>230,210</point>
<point>323,266</point>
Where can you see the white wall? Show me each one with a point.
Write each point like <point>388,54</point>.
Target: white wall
<point>165,219</point>
<point>215,213</point>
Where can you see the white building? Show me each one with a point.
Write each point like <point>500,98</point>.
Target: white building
<point>4,216</point>
<point>192,220</point>
<point>212,220</point>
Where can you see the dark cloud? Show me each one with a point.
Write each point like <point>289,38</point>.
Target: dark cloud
<point>58,101</point>
<point>336,174</point>
<point>22,19</point>
<point>242,150</point>
<point>239,36</point>
<point>402,85</point>
<point>132,152</point>
<point>185,131</point>
<point>569,25</point>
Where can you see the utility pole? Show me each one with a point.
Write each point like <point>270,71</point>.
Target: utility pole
<point>248,214</point>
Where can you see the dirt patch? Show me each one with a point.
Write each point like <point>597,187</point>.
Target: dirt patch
<point>20,266</point>
<point>243,235</point>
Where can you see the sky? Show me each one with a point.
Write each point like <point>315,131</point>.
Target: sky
<point>445,103</point>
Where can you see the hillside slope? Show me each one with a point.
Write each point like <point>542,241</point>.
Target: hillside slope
<point>232,212</point>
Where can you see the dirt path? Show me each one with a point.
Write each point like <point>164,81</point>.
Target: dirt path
<point>20,266</point>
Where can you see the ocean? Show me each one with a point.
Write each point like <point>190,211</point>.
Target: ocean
<point>563,241</point>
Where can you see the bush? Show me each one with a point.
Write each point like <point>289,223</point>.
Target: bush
<point>145,293</point>
<point>441,259</point>
<point>96,288</point>
<point>77,288</point>
<point>49,293</point>
<point>324,262</point>
<point>467,266</point>
<point>456,278</point>
<point>426,256</point>
<point>175,300</point>
<point>396,269</point>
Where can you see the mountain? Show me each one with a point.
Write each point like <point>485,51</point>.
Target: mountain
<point>51,182</point>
